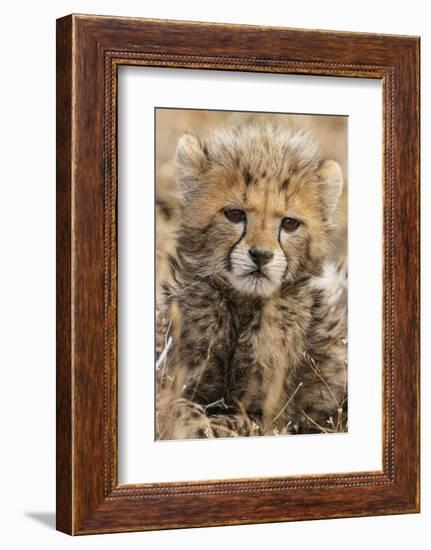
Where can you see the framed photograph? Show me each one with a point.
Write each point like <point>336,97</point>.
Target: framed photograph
<point>237,274</point>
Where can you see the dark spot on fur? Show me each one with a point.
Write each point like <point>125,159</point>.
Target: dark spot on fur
<point>264,174</point>
<point>332,325</point>
<point>201,433</point>
<point>173,263</point>
<point>165,209</point>
<point>285,184</point>
<point>258,305</point>
<point>256,326</point>
<point>204,148</point>
<point>259,376</point>
<point>255,410</point>
<point>247,176</point>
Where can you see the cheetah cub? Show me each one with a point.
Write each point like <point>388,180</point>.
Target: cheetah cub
<point>258,314</point>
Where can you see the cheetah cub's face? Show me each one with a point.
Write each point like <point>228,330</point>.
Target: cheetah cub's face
<point>257,206</point>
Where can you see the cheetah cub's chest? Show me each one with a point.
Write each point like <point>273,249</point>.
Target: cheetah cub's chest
<point>267,350</point>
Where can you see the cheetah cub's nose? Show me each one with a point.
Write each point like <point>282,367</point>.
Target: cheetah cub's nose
<point>260,257</point>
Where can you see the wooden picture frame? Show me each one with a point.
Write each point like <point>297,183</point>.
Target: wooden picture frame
<point>89,51</point>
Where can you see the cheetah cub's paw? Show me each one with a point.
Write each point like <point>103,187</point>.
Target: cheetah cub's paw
<point>188,420</point>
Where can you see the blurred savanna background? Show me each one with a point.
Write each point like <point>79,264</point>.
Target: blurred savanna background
<point>330,133</point>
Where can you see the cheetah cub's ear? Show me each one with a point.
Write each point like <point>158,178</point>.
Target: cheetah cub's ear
<point>331,179</point>
<point>191,162</point>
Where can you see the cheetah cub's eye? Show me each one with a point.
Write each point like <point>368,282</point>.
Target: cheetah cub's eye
<point>290,224</point>
<point>235,216</point>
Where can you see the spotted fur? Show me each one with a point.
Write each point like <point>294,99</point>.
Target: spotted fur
<point>259,348</point>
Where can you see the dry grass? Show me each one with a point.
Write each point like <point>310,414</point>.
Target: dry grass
<point>167,390</point>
